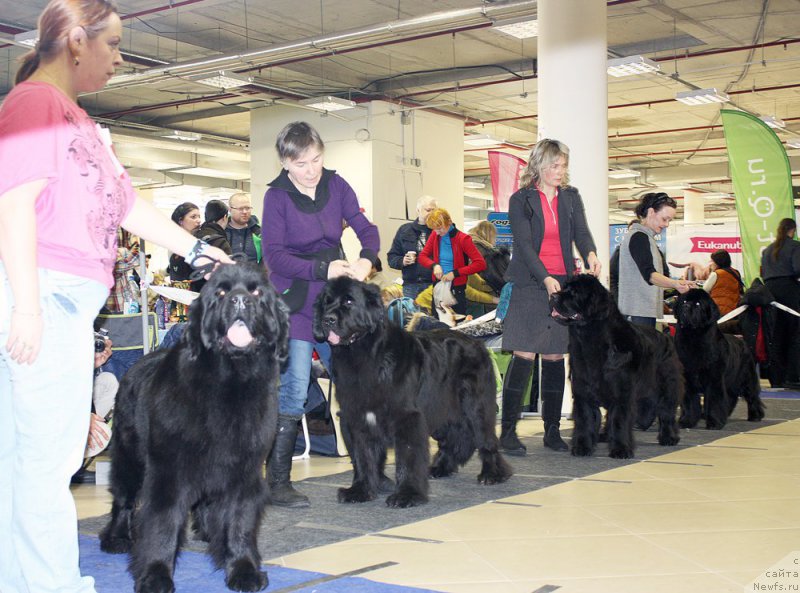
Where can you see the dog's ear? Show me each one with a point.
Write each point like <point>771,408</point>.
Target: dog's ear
<point>278,320</point>
<point>374,305</point>
<point>320,335</point>
<point>192,335</point>
<point>710,307</point>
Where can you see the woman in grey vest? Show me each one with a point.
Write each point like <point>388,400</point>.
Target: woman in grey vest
<point>546,217</point>
<point>643,273</point>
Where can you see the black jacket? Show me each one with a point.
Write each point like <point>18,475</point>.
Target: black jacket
<point>527,225</point>
<point>412,236</point>
<point>241,240</point>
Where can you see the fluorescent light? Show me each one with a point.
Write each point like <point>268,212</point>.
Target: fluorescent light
<point>623,173</point>
<point>474,185</point>
<point>328,103</point>
<point>793,142</point>
<point>631,66</point>
<point>520,29</point>
<point>181,135</point>
<point>28,38</point>
<point>225,79</point>
<point>773,122</point>
<point>482,140</point>
<point>702,97</point>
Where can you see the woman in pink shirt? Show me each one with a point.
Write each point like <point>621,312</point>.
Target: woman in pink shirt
<point>546,217</point>
<point>63,194</point>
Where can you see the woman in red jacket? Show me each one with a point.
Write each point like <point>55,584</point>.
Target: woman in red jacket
<point>452,255</point>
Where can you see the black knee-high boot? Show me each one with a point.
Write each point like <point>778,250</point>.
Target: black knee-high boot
<point>552,398</point>
<point>514,384</point>
<point>280,465</point>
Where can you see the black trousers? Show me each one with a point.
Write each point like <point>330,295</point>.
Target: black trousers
<point>783,348</point>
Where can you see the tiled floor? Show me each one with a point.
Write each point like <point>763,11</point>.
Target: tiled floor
<point>702,520</point>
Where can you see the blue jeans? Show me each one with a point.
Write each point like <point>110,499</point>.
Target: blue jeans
<point>44,423</point>
<point>297,376</point>
<point>412,289</point>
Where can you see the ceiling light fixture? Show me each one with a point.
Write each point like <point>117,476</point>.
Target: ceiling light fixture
<point>27,38</point>
<point>482,140</point>
<point>180,135</point>
<point>793,142</point>
<point>773,122</point>
<point>702,97</point>
<point>328,103</point>
<point>623,173</point>
<point>474,185</point>
<point>631,66</point>
<point>521,29</point>
<point>225,79</point>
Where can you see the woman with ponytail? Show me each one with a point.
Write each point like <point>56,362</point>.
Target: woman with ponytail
<point>780,269</point>
<point>63,195</point>
<point>643,273</point>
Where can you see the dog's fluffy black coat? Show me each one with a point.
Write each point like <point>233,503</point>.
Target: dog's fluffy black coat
<point>397,388</point>
<point>630,370</point>
<point>719,366</point>
<point>192,427</point>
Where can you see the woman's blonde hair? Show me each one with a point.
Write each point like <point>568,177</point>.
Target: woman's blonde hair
<point>485,231</point>
<point>544,153</point>
<point>391,292</point>
<point>439,218</point>
<point>58,18</point>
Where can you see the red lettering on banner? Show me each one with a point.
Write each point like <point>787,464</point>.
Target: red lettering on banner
<point>712,244</point>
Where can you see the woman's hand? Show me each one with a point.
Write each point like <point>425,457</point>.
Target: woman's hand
<point>25,336</point>
<point>339,267</point>
<point>683,286</point>
<point>98,432</point>
<point>448,277</point>
<point>552,285</point>
<point>594,264</point>
<point>437,271</point>
<point>361,269</point>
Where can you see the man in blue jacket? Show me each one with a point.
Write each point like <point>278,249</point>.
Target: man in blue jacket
<point>408,242</point>
<point>243,227</point>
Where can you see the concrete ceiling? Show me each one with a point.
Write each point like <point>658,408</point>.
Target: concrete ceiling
<point>438,54</point>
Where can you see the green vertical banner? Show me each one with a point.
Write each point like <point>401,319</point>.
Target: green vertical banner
<point>762,183</point>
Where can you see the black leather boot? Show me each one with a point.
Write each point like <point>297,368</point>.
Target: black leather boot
<point>280,465</point>
<point>552,398</point>
<point>514,384</point>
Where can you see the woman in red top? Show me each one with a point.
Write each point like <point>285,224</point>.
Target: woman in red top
<point>452,255</point>
<point>546,218</point>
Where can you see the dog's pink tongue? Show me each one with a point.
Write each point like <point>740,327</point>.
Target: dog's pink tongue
<point>333,338</point>
<point>239,335</point>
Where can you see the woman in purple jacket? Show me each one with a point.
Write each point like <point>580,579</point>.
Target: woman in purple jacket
<point>304,211</point>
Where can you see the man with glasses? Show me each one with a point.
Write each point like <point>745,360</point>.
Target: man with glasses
<point>243,227</point>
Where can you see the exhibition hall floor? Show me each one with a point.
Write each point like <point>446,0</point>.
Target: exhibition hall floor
<point>714,514</point>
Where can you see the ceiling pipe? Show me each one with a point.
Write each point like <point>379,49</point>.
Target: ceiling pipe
<point>336,42</point>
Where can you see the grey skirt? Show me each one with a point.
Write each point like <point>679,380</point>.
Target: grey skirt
<point>528,326</point>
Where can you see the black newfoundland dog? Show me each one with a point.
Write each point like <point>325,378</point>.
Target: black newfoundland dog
<point>719,366</point>
<point>193,425</point>
<point>630,370</point>
<point>397,388</point>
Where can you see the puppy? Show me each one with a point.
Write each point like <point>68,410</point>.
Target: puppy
<point>719,366</point>
<point>630,370</point>
<point>397,388</point>
<point>193,425</point>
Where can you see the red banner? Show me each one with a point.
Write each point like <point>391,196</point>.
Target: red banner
<point>712,244</point>
<point>505,170</point>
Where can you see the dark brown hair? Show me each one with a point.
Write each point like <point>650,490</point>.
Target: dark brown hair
<point>654,200</point>
<point>784,227</point>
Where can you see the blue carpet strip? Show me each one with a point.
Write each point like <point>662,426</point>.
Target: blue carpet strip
<point>195,573</point>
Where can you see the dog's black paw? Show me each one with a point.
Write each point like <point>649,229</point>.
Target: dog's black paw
<point>385,485</point>
<point>669,440</point>
<point>755,414</point>
<point>712,424</point>
<point>620,452</point>
<point>403,500</point>
<point>685,422</point>
<point>441,471</point>
<point>581,449</point>
<point>157,579</point>
<point>244,576</point>
<point>354,494</point>
<point>495,476</point>
<point>115,545</point>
